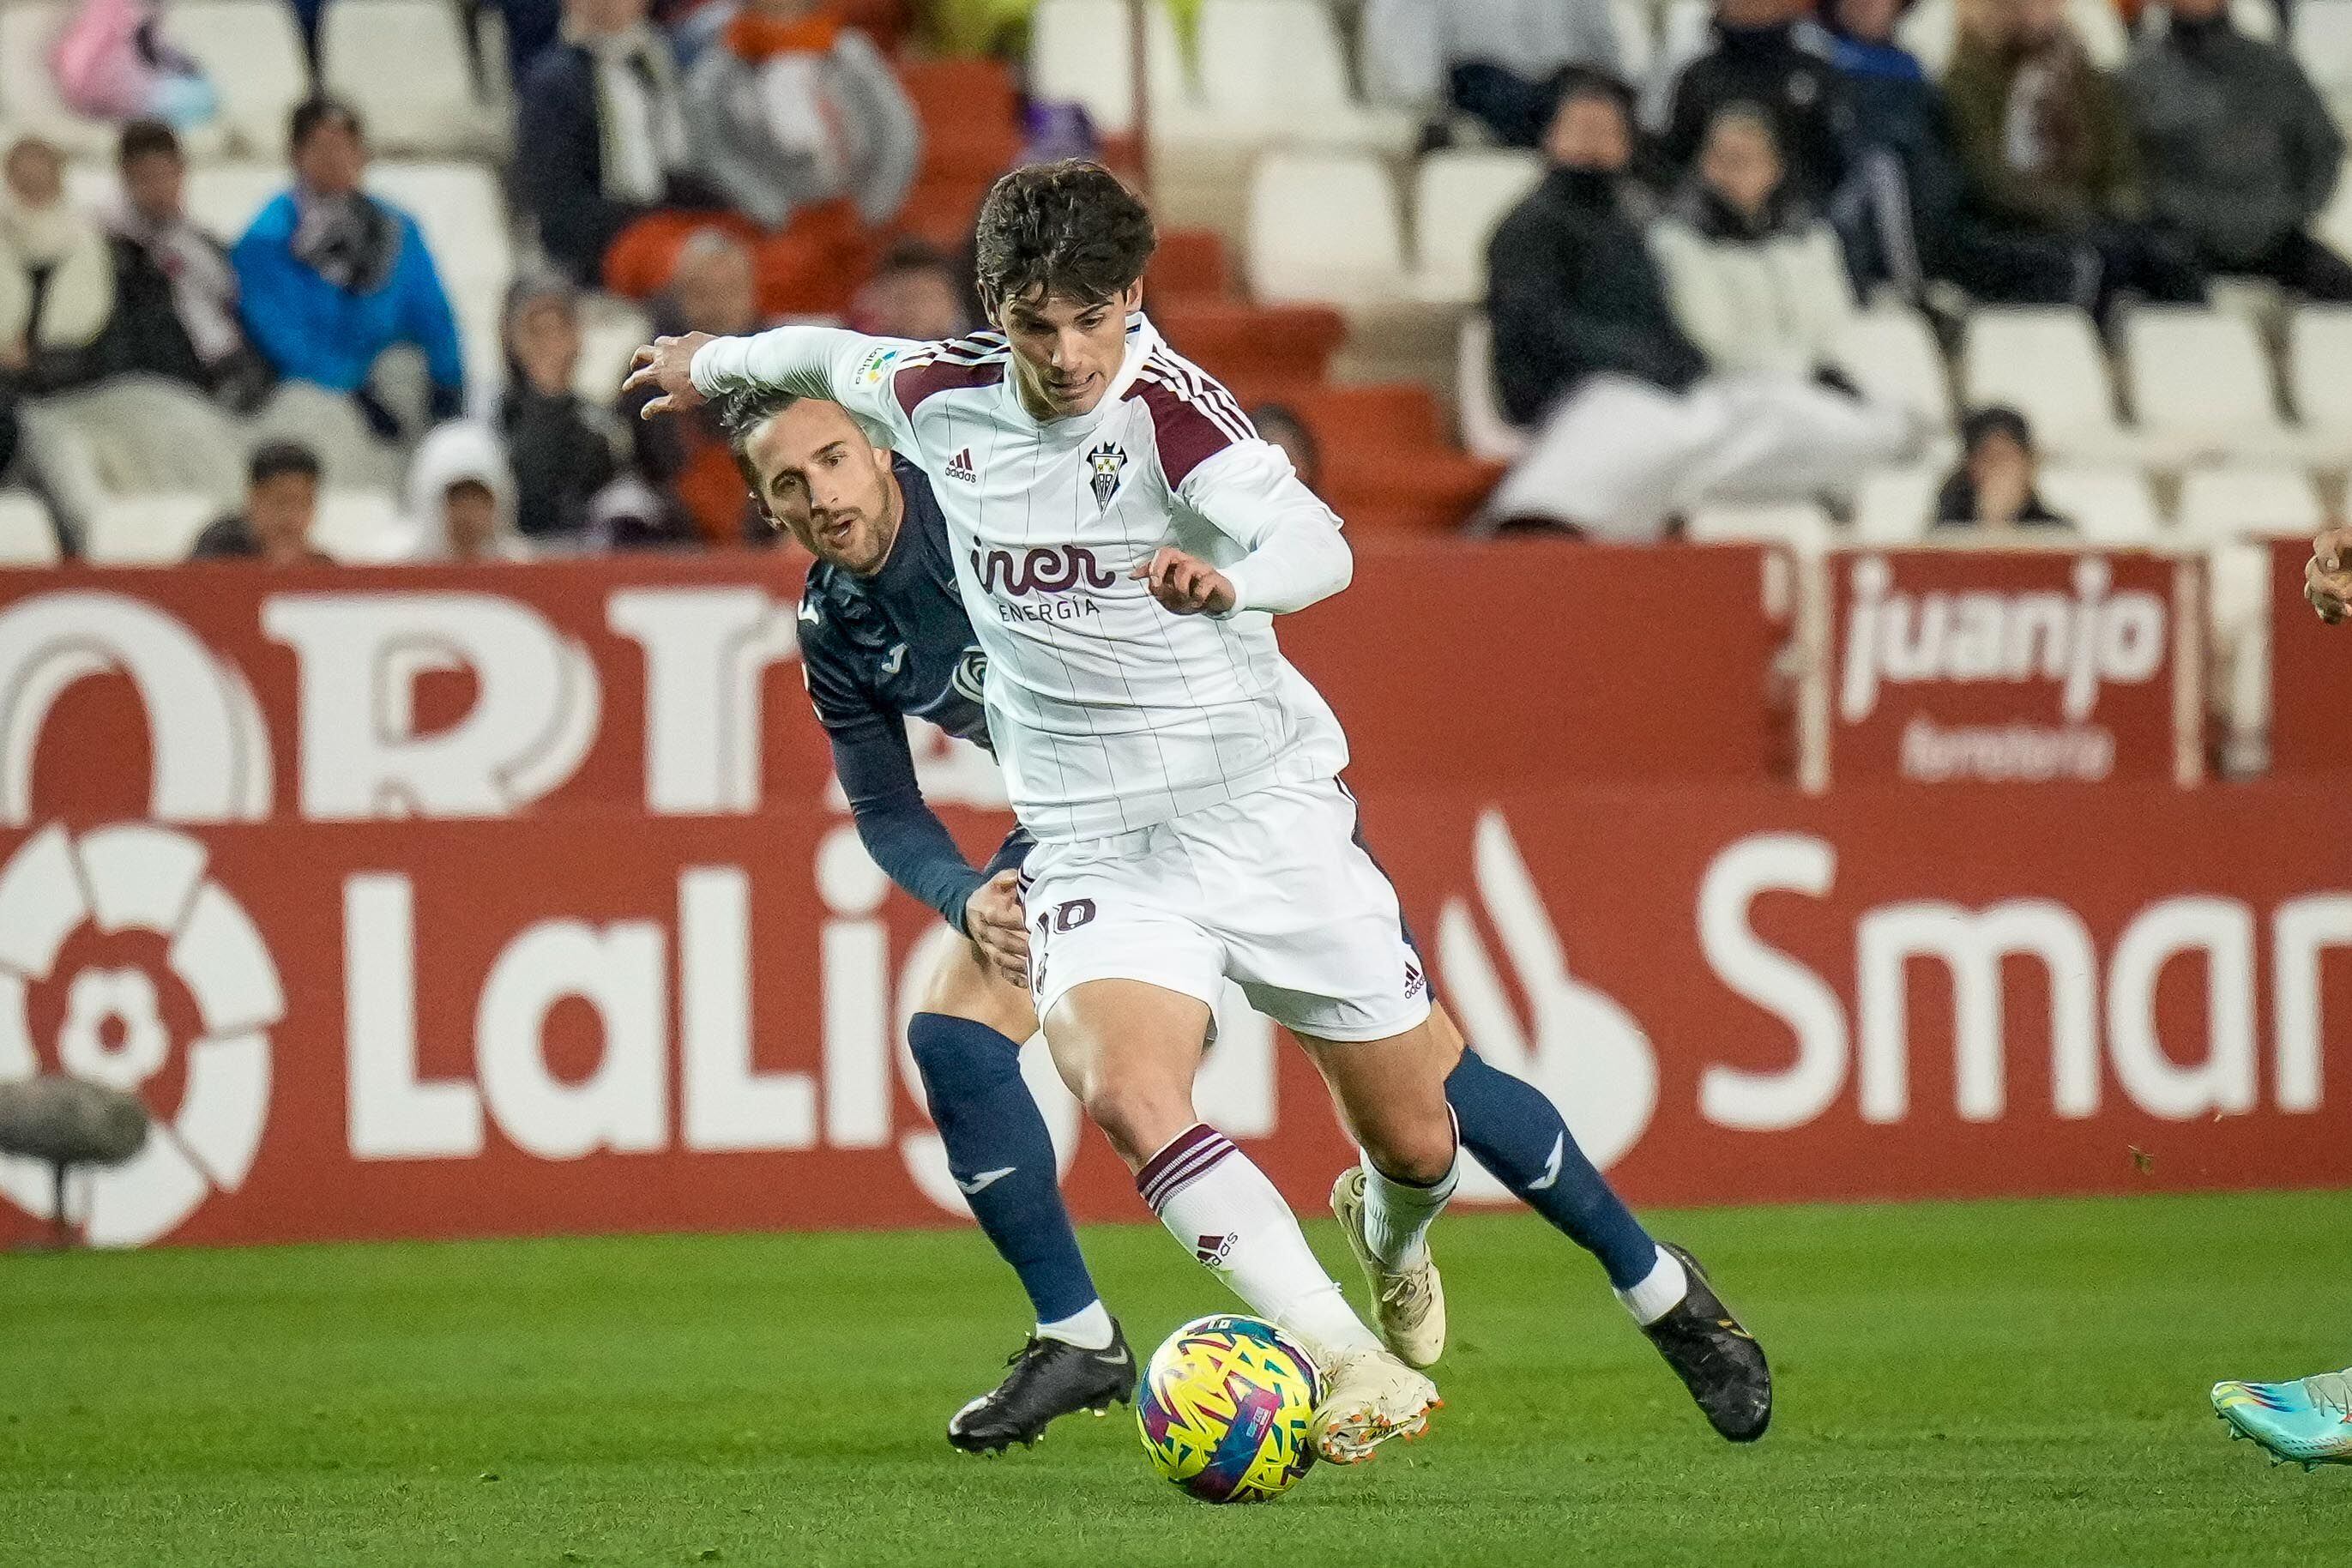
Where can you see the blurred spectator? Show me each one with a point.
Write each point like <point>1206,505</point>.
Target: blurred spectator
<point>687,458</point>
<point>916,293</point>
<point>1770,54</point>
<point>1278,425</point>
<point>1757,281</point>
<point>603,144</point>
<point>461,497</point>
<point>2242,151</point>
<point>331,278</point>
<point>1630,428</point>
<point>563,449</point>
<point>2042,136</point>
<point>57,280</point>
<point>1499,60</point>
<point>282,502</point>
<point>1993,488</point>
<point>798,119</point>
<point>111,63</point>
<point>176,311</point>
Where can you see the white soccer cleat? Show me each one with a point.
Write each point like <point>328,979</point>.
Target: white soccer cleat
<point>1408,1306</point>
<point>1369,1397</point>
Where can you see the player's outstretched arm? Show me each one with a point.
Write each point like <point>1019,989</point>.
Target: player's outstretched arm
<point>1297,554</point>
<point>841,366</point>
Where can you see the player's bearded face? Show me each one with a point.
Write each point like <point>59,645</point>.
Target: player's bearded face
<point>827,486</point>
<point>1066,351</point>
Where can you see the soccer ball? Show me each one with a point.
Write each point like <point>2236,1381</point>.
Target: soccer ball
<point>1224,1406</point>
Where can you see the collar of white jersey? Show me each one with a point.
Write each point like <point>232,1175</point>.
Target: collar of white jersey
<point>1142,338</point>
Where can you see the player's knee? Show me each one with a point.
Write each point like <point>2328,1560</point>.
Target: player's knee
<point>1416,1148</point>
<point>1137,1113</point>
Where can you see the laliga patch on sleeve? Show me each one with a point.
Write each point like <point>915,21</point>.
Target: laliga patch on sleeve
<point>875,365</point>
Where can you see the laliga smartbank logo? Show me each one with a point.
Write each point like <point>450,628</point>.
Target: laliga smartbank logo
<point>2078,642</point>
<point>100,895</point>
<point>1584,1051</point>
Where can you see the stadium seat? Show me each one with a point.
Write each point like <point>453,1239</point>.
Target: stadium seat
<point>225,198</point>
<point>1080,53</point>
<point>1801,526</point>
<point>610,329</point>
<point>1458,198</point>
<point>1189,264</point>
<point>1260,352</point>
<point>425,105</point>
<point>2321,37</point>
<point>28,93</point>
<point>145,531</point>
<point>1485,430</point>
<point>1682,32</point>
<point>1637,37</point>
<point>2046,362</point>
<point>2244,499</point>
<point>1891,354</point>
<point>2201,387</point>
<point>1323,228</point>
<point>970,113</point>
<point>252,51</point>
<point>1895,506</point>
<point>459,208</point>
<point>1275,72</point>
<point>2106,505</point>
<point>27,536</point>
<point>1387,464</point>
<point>362,526</point>
<point>2319,368</point>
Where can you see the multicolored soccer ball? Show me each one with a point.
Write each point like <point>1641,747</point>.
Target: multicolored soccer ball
<point>1224,1406</point>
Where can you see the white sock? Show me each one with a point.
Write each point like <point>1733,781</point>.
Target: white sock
<point>1088,1328</point>
<point>1397,1216</point>
<point>1658,1291</point>
<point>1227,1215</point>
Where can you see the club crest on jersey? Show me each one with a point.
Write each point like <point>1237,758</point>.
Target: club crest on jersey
<point>1106,462</point>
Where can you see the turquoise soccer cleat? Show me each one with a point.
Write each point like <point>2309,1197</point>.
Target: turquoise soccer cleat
<point>2308,1423</point>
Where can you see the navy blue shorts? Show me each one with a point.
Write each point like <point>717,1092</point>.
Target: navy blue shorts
<point>1010,854</point>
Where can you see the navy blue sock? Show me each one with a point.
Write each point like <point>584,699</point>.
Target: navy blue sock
<point>1517,1132</point>
<point>996,1141</point>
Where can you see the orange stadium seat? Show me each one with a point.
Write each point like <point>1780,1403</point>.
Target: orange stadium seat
<point>1259,351</point>
<point>971,133</point>
<point>1388,464</point>
<point>1191,264</point>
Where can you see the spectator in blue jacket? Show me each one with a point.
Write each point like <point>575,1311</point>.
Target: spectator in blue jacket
<point>328,276</point>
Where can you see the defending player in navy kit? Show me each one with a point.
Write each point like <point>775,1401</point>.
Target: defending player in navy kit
<point>884,636</point>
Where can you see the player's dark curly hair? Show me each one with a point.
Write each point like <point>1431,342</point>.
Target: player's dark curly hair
<point>1067,228</point>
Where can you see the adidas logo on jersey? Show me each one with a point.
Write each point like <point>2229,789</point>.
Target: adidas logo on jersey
<point>959,468</point>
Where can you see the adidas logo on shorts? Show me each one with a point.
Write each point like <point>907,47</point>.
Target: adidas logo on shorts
<point>1412,980</point>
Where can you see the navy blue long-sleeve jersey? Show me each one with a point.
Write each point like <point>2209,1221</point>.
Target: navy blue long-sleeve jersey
<point>875,651</point>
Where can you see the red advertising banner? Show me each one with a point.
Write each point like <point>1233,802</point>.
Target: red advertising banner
<point>521,900</point>
<point>2311,710</point>
<point>2012,665</point>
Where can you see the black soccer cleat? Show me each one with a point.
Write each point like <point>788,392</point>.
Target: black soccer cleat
<point>1719,1362</point>
<point>1050,1379</point>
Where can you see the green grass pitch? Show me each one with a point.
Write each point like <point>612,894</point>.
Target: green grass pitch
<point>2016,1383</point>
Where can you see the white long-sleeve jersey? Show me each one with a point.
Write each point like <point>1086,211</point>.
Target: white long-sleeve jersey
<point>1108,711</point>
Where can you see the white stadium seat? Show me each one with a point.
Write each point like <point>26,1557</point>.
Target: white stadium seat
<point>150,530</point>
<point>251,51</point>
<point>1891,354</point>
<point>28,537</point>
<point>2046,362</point>
<point>2321,37</point>
<point>610,329</point>
<point>2319,368</point>
<point>28,93</point>
<point>2201,386</point>
<point>402,65</point>
<point>1458,198</point>
<point>1485,430</point>
<point>1275,72</point>
<point>2250,501</point>
<point>1682,31</point>
<point>2106,505</point>
<point>1323,228</point>
<point>362,526</point>
<point>1078,53</point>
<point>1801,526</point>
<point>223,198</point>
<point>1895,506</point>
<point>458,207</point>
<point>1637,37</point>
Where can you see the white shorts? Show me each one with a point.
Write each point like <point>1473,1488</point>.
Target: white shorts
<point>1273,891</point>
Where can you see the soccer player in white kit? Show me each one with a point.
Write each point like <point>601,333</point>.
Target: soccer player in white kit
<point>1123,541</point>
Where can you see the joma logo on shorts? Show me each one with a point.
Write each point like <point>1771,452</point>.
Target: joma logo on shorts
<point>1039,570</point>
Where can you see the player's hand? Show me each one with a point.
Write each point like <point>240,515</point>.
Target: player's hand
<point>667,363</point>
<point>999,926</point>
<point>2327,580</point>
<point>1185,586</point>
